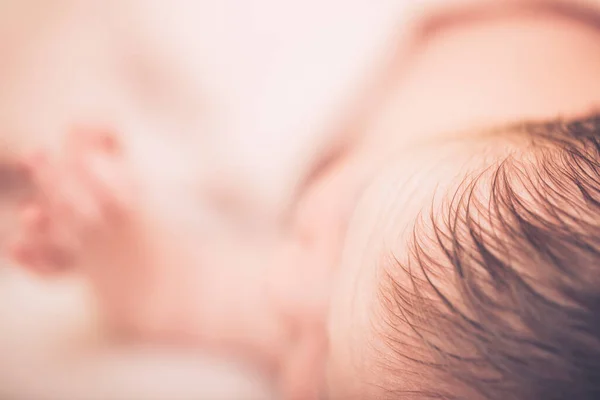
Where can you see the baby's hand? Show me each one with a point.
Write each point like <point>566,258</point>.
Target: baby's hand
<point>81,192</point>
<point>89,213</point>
<point>98,210</point>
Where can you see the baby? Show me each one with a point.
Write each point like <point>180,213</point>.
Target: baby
<point>415,263</point>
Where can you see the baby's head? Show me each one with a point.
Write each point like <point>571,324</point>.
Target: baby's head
<point>470,270</point>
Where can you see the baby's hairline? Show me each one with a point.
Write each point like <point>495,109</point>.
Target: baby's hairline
<point>560,134</point>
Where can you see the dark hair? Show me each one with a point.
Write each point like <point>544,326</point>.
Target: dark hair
<point>501,291</point>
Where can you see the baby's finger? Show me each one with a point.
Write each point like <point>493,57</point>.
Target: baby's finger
<point>51,191</point>
<point>44,219</point>
<point>96,158</point>
<point>45,241</point>
<point>32,256</point>
<point>21,253</point>
<point>110,184</point>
